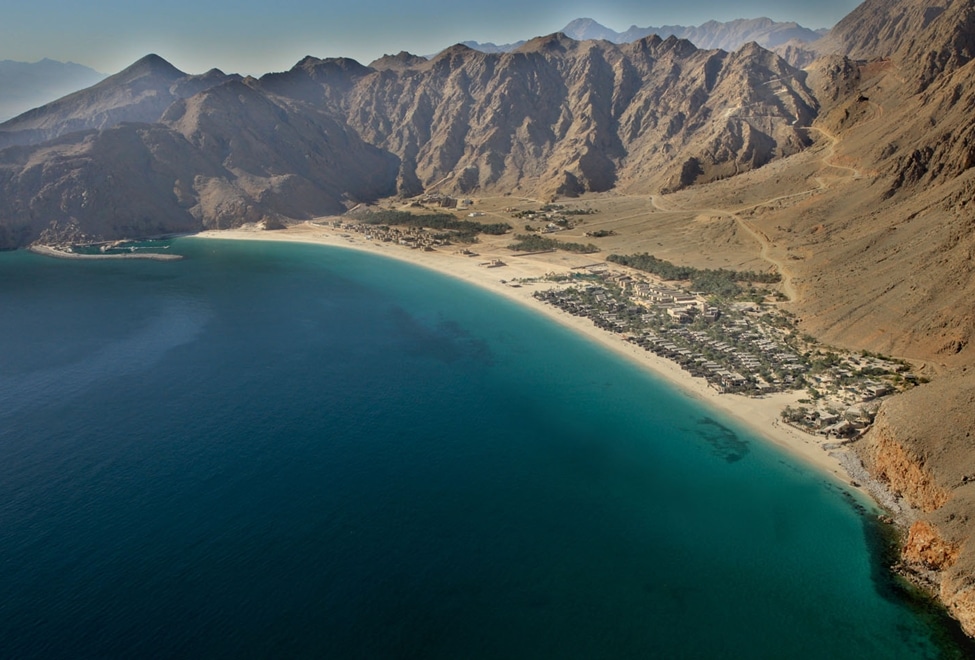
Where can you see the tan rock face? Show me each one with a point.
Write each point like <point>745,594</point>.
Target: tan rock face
<point>926,548</point>
<point>922,445</point>
<point>958,594</point>
<point>888,460</point>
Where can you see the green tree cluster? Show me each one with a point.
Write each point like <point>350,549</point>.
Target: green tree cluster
<point>443,221</point>
<point>720,282</point>
<point>536,243</point>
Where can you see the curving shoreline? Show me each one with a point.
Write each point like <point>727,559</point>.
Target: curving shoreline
<point>761,415</point>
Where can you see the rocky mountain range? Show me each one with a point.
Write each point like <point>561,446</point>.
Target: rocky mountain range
<point>730,35</point>
<point>856,171</point>
<point>26,85</point>
<point>556,116</point>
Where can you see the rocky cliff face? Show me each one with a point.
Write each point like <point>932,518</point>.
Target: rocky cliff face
<point>906,473</point>
<point>928,460</point>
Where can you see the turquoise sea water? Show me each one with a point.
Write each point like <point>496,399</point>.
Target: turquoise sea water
<point>269,450</point>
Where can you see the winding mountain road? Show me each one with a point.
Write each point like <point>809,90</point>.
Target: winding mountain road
<point>765,244</point>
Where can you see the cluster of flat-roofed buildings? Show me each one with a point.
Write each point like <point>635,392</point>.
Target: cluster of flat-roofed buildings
<point>681,306</point>
<point>411,237</point>
<point>729,366</point>
<point>442,201</point>
<point>736,349</point>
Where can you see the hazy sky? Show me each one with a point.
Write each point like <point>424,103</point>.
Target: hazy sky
<point>246,36</point>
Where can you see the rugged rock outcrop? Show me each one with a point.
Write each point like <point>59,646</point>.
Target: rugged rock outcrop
<point>925,548</point>
<point>928,460</point>
<point>928,38</point>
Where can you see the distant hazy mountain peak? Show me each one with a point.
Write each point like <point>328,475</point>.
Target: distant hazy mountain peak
<point>306,61</point>
<point>26,85</point>
<point>727,36</point>
<point>587,28</point>
<point>155,64</point>
<point>490,47</point>
<point>139,93</point>
<point>554,41</point>
<point>401,60</point>
<point>329,65</point>
<point>457,50</point>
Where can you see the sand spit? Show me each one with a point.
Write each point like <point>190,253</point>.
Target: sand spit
<point>58,253</point>
<point>762,414</point>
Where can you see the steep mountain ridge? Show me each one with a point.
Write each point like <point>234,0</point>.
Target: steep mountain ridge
<point>227,155</point>
<point>926,39</point>
<point>555,116</point>
<point>139,93</point>
<point>566,117</point>
<point>880,28</point>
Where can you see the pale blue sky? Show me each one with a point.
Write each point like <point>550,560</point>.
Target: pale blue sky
<point>246,36</point>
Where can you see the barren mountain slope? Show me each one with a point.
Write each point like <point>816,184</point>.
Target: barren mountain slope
<point>925,38</point>
<point>885,261</point>
<point>283,159</point>
<point>725,114</point>
<point>879,28</point>
<point>225,156</point>
<point>564,117</point>
<point>125,181</point>
<point>139,93</point>
<point>555,117</point>
<point>879,245</point>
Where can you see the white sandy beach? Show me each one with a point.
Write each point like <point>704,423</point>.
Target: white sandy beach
<point>762,415</point>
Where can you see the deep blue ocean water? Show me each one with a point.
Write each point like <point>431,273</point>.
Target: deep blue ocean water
<point>270,450</point>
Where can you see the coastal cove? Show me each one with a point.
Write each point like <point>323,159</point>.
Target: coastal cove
<point>762,415</point>
<point>275,448</point>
